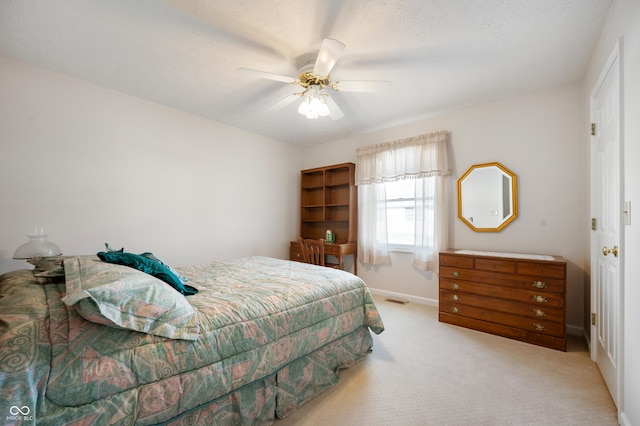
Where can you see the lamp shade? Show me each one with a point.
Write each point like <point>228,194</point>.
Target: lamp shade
<point>37,246</point>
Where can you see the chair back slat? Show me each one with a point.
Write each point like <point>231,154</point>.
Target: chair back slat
<point>312,251</point>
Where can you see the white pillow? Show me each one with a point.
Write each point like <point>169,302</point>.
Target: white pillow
<point>123,297</point>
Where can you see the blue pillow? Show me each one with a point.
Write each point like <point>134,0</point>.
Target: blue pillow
<point>149,266</point>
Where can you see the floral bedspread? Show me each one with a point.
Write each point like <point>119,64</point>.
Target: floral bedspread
<point>257,315</point>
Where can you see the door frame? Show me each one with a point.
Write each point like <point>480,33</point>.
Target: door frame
<point>616,55</point>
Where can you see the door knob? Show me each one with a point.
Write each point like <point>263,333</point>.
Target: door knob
<point>606,250</point>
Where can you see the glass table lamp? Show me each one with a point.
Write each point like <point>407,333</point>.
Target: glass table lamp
<point>37,246</point>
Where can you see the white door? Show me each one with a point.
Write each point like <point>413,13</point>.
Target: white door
<point>606,238</point>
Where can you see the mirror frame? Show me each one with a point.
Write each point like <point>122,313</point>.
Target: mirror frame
<point>514,196</point>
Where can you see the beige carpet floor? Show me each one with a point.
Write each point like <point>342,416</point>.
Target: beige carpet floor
<point>423,372</point>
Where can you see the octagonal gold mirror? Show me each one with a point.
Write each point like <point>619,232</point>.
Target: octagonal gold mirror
<point>487,197</point>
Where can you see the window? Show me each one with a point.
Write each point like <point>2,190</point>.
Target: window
<point>401,213</point>
<point>402,200</point>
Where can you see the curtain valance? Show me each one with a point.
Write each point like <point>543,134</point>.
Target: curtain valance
<point>416,157</point>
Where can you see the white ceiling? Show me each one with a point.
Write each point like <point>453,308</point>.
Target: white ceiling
<point>439,54</point>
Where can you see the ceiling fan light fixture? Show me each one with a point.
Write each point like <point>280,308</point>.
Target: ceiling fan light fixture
<point>313,105</point>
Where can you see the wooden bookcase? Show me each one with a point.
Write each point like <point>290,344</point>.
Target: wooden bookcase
<point>329,200</point>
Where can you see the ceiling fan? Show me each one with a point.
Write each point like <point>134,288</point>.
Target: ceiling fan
<point>314,78</point>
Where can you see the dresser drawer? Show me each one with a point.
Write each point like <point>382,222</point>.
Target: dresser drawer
<point>526,282</point>
<point>456,261</point>
<point>496,265</point>
<point>525,309</point>
<point>546,340</point>
<point>537,325</point>
<point>505,294</point>
<point>542,269</point>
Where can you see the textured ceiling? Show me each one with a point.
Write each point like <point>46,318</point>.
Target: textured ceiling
<point>439,54</point>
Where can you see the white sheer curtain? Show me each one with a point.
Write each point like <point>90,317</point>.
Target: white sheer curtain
<point>425,159</point>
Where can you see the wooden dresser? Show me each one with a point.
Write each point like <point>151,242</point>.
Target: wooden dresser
<point>521,297</point>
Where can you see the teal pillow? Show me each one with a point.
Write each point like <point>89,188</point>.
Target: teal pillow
<point>149,266</point>
<point>173,271</point>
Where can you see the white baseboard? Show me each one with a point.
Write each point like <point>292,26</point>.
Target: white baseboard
<point>623,420</point>
<point>575,330</point>
<point>586,335</point>
<point>571,329</point>
<point>404,297</point>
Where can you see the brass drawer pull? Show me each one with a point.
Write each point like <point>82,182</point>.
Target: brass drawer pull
<point>538,327</point>
<point>455,310</point>
<point>455,274</point>
<point>539,312</point>
<point>456,297</point>
<point>539,299</point>
<point>539,284</point>
<point>456,286</point>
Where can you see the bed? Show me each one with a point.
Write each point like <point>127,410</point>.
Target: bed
<point>84,341</point>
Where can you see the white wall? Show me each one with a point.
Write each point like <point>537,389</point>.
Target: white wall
<point>542,137</point>
<point>91,165</point>
<point>624,25</point>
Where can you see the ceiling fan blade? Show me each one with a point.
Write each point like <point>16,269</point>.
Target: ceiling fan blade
<point>267,75</point>
<point>329,53</point>
<point>334,110</point>
<point>373,86</point>
<point>283,103</point>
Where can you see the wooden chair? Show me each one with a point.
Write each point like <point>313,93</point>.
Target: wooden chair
<point>313,252</point>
